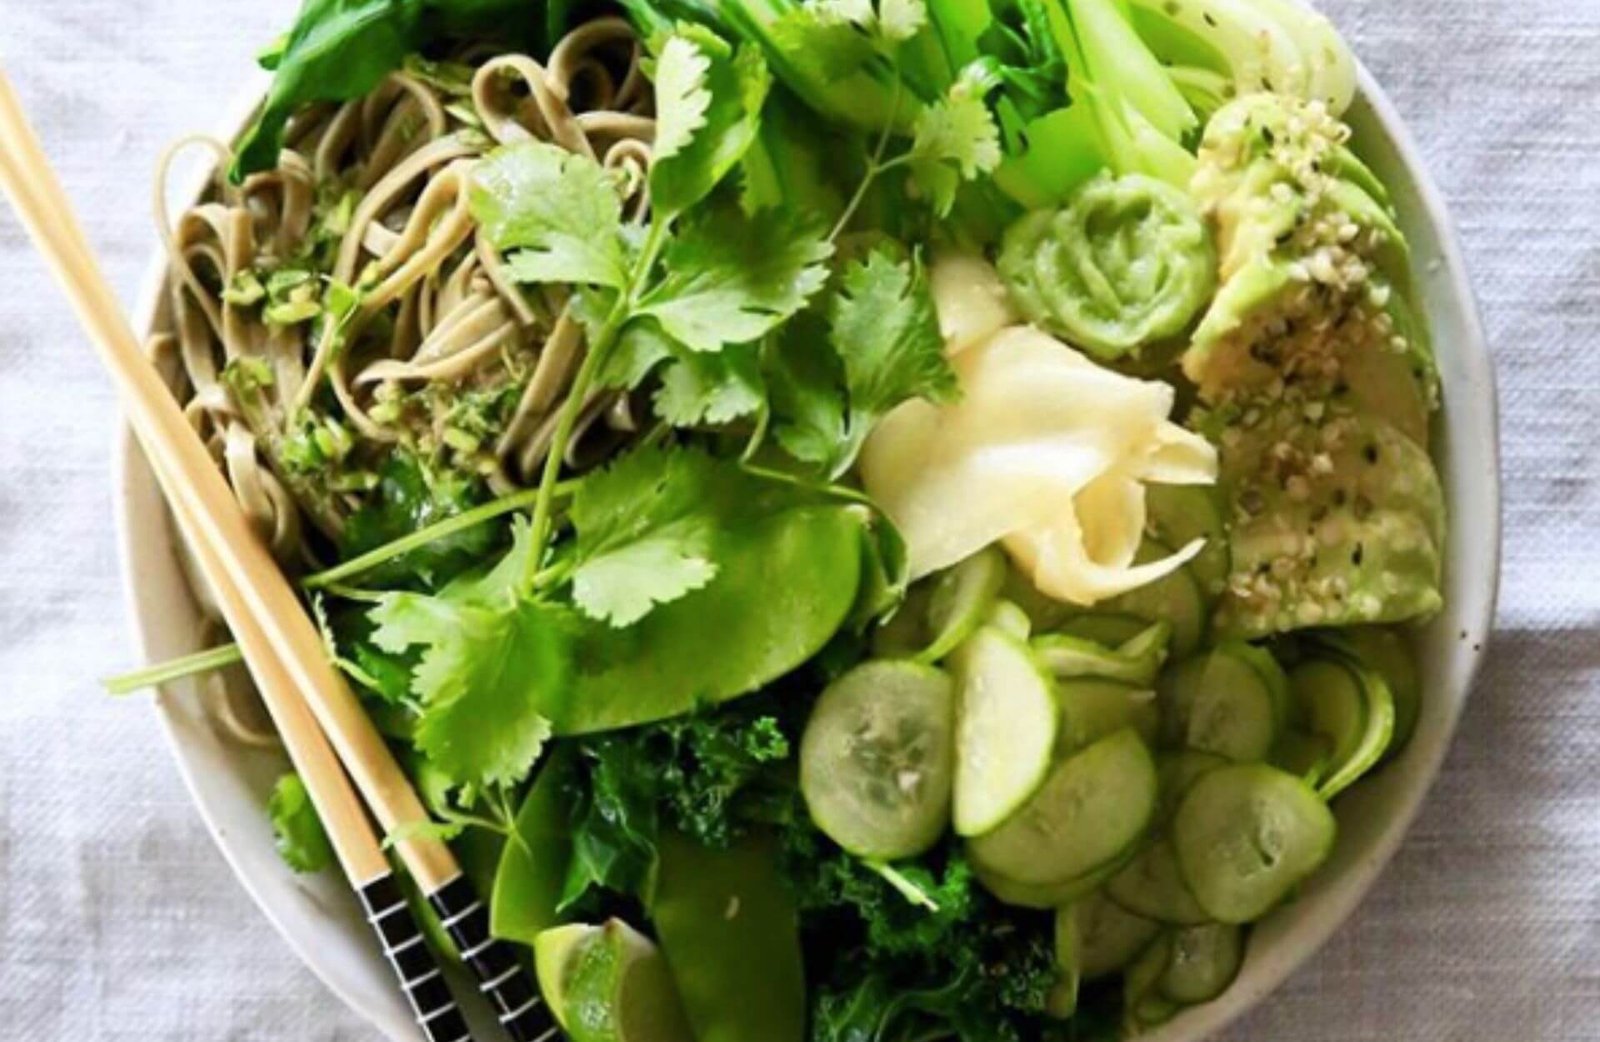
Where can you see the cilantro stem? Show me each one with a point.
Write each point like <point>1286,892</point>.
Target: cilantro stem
<point>875,166</point>
<point>842,491</point>
<point>604,339</point>
<point>423,536</point>
<point>174,669</point>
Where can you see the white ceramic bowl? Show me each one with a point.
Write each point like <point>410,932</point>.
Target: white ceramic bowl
<point>318,916</point>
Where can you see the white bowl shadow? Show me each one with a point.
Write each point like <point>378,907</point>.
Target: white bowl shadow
<point>320,918</point>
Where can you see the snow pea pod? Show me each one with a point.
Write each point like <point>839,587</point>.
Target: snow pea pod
<point>533,866</point>
<point>786,583</point>
<point>731,934</point>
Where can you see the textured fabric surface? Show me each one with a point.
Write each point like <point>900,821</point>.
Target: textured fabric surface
<point>118,919</point>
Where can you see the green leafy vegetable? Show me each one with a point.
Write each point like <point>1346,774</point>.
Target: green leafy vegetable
<point>883,325</point>
<point>645,526</point>
<point>731,278</point>
<point>302,841</point>
<point>709,99</point>
<point>559,211</point>
<point>884,333</point>
<point>956,138</point>
<point>493,660</point>
<point>700,388</point>
<point>341,49</point>
<point>411,496</point>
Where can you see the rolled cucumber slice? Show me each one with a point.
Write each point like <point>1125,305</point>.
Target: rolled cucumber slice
<point>1245,836</point>
<point>1219,703</point>
<point>1006,721</point>
<point>877,759</point>
<point>1204,961</point>
<point>1091,810</point>
<point>1351,708</point>
<point>1108,936</point>
<point>960,599</point>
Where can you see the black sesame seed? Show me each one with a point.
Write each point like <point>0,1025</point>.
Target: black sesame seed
<point>1370,454</point>
<point>1210,19</point>
<point>1358,554</point>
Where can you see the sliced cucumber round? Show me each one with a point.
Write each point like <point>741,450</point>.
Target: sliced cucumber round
<point>877,759</point>
<point>1246,835</point>
<point>1062,1002</point>
<point>1152,886</point>
<point>1181,513</point>
<point>1173,598</point>
<point>1108,936</point>
<point>1179,770</point>
<point>1092,809</point>
<point>905,633</point>
<point>1043,896</point>
<point>1008,617</point>
<point>1142,1000</point>
<point>960,599</point>
<point>1304,755</point>
<point>1137,661</point>
<point>1351,708</point>
<point>1388,653</point>
<point>1006,720</point>
<point>1204,961</point>
<point>1109,629</point>
<point>1093,709</point>
<point>1219,703</point>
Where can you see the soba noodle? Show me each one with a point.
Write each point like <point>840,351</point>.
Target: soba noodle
<point>374,194</point>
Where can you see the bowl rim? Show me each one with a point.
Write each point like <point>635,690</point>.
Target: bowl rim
<point>1471,353</point>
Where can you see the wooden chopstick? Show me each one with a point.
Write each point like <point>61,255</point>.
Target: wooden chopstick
<point>259,605</point>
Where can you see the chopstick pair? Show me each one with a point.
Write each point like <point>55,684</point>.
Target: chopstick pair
<point>322,725</point>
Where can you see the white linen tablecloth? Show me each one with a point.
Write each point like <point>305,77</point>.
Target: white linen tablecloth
<point>118,919</point>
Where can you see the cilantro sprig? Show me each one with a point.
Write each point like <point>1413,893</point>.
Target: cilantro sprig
<point>695,284</point>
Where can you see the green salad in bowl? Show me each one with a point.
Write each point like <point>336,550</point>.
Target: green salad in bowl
<point>865,520</point>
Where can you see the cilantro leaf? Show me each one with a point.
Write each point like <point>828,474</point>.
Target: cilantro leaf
<point>732,278</point>
<point>893,22</point>
<point>900,20</point>
<point>708,100</point>
<point>302,841</point>
<point>559,211</point>
<point>699,388</point>
<point>639,349</point>
<point>883,325</point>
<point>956,138</point>
<point>644,526</point>
<point>492,663</point>
<point>807,392</point>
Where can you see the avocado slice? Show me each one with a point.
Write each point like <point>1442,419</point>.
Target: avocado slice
<point>1339,519</point>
